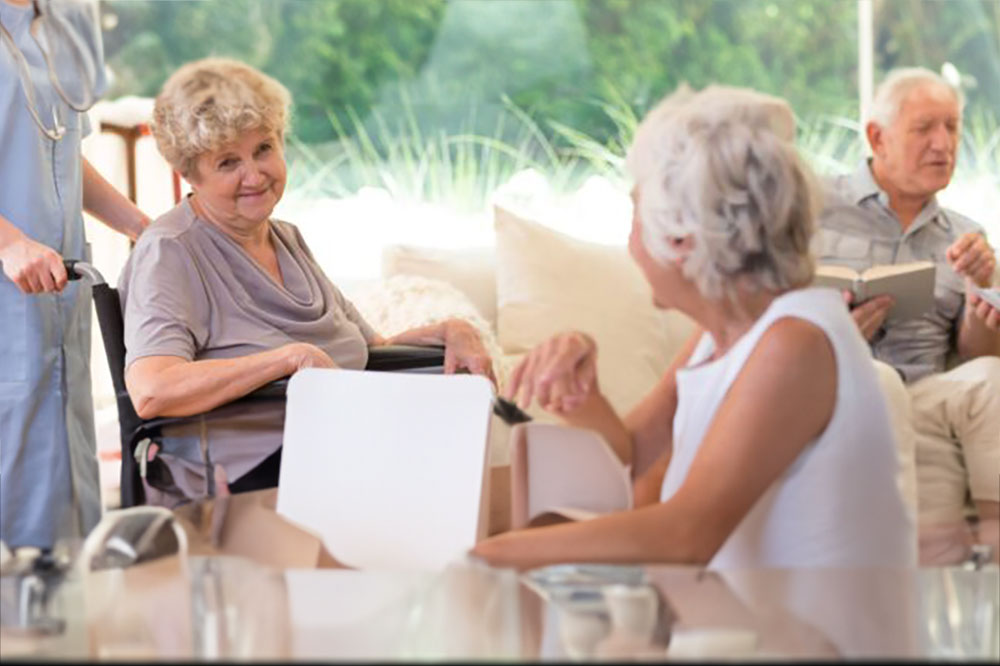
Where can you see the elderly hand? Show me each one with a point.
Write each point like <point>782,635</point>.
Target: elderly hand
<point>561,373</point>
<point>869,315</point>
<point>300,355</point>
<point>989,315</point>
<point>464,350</point>
<point>33,267</point>
<point>972,257</point>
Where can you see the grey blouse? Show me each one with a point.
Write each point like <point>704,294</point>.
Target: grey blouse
<point>188,290</point>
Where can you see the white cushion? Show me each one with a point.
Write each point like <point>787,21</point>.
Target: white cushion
<point>548,282</point>
<point>471,270</point>
<point>401,302</point>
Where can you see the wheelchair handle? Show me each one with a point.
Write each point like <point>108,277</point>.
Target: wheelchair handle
<point>76,269</point>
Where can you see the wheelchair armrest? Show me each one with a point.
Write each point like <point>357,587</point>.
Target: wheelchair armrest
<point>387,358</point>
<point>275,390</point>
<point>390,358</point>
<point>272,391</point>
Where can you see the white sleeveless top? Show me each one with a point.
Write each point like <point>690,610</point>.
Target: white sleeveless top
<point>838,504</point>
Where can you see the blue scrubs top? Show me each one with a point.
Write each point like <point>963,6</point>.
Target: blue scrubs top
<point>49,485</point>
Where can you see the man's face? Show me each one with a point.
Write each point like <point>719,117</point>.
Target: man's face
<point>916,153</point>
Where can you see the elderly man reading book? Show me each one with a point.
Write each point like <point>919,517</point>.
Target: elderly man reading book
<point>885,212</point>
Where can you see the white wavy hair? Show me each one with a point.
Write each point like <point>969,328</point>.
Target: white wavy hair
<point>897,85</point>
<point>720,165</point>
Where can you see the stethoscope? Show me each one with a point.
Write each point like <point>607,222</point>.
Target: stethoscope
<point>39,23</point>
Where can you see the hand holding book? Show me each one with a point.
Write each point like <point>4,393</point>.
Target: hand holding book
<point>910,286</point>
<point>869,315</point>
<point>991,296</point>
<point>986,304</point>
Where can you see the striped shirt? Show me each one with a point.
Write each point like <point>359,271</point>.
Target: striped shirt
<point>858,229</point>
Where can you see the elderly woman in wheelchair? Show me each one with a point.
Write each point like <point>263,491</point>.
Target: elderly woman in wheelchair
<point>767,442</point>
<point>220,299</point>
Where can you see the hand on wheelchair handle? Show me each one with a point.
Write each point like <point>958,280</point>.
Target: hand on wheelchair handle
<point>35,268</point>
<point>71,272</point>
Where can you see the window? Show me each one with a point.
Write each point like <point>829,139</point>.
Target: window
<point>961,39</point>
<point>410,114</point>
<point>444,101</point>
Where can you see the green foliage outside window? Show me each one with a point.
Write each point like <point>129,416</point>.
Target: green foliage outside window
<point>436,98</point>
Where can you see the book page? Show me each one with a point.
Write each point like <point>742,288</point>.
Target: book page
<point>887,270</point>
<point>564,471</point>
<point>836,277</point>
<point>837,272</point>
<point>911,285</point>
<point>561,514</point>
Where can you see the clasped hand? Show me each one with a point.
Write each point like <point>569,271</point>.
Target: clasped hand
<point>560,373</point>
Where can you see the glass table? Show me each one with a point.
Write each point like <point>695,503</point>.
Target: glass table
<point>230,599</point>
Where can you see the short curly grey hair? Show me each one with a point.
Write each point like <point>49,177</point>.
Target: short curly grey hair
<point>720,165</point>
<point>209,103</point>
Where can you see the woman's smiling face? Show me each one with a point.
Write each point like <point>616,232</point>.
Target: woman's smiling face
<point>240,184</point>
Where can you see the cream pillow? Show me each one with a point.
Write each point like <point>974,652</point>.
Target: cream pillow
<point>402,302</point>
<point>548,282</point>
<point>471,270</point>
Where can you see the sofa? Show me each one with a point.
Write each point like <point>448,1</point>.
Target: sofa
<point>536,280</point>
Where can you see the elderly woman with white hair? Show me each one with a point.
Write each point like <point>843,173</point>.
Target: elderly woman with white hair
<point>767,442</point>
<point>220,298</point>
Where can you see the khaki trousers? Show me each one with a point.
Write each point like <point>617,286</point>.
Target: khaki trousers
<point>956,421</point>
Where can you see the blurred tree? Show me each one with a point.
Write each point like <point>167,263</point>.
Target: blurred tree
<point>804,51</point>
<point>330,53</point>
<point>965,33</point>
<point>448,66</point>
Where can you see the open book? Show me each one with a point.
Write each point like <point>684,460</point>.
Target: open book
<point>564,473</point>
<point>911,285</point>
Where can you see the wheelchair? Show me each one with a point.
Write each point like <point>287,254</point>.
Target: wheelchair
<point>134,430</point>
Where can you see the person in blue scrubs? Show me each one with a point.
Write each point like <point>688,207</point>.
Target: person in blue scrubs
<point>49,486</point>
